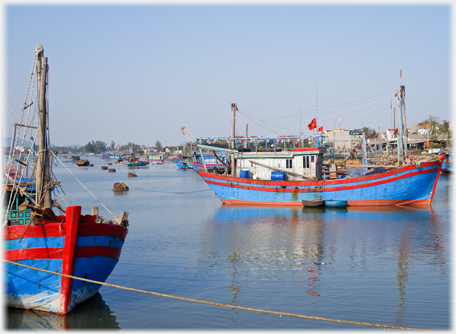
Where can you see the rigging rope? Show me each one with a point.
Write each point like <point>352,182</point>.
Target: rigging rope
<point>231,306</point>
<point>83,185</point>
<point>294,128</point>
<point>312,111</point>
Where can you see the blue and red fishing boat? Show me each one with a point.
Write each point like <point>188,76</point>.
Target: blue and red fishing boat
<point>408,185</point>
<point>208,161</point>
<point>292,175</point>
<point>39,245</point>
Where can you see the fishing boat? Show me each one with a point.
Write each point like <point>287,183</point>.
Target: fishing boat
<point>82,163</point>
<point>138,163</point>
<point>39,245</point>
<point>208,161</point>
<point>252,177</point>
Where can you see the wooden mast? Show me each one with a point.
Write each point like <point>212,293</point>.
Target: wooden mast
<point>43,195</point>
<point>233,138</point>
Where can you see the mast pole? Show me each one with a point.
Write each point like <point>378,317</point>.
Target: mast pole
<point>233,137</point>
<point>43,196</point>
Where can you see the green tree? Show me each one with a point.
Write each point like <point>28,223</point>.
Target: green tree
<point>445,128</point>
<point>95,147</point>
<point>113,145</point>
<point>158,146</point>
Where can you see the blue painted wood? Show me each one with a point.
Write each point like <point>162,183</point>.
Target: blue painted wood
<point>29,288</point>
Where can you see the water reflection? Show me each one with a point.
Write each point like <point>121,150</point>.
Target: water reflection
<point>92,314</point>
<point>301,245</point>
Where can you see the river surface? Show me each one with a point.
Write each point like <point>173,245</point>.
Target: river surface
<point>376,265</point>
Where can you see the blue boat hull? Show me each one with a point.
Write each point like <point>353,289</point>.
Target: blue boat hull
<point>181,165</point>
<point>94,256</point>
<point>403,186</point>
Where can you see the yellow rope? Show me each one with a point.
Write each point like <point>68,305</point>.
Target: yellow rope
<point>360,323</point>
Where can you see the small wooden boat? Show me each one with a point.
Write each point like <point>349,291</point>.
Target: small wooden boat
<point>313,202</point>
<point>137,164</point>
<point>82,163</point>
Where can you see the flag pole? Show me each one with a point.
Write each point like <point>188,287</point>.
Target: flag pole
<point>316,103</point>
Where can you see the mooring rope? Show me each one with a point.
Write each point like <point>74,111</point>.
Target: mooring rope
<point>360,323</point>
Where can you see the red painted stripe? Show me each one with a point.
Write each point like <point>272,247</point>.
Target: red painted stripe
<point>57,230</point>
<point>321,183</point>
<point>90,251</point>
<point>109,230</point>
<point>56,253</point>
<point>318,149</point>
<point>383,202</point>
<point>68,257</point>
<point>33,253</point>
<point>34,231</point>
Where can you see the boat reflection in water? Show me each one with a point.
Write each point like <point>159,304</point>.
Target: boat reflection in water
<point>310,248</point>
<point>92,314</point>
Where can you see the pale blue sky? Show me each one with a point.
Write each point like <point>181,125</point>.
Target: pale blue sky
<point>139,73</point>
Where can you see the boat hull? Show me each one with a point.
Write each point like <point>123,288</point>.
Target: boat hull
<point>181,165</point>
<point>77,246</point>
<point>408,185</point>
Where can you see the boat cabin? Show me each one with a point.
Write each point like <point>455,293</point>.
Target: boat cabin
<point>296,164</point>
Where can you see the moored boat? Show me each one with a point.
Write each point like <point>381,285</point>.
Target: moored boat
<point>82,163</point>
<point>406,183</point>
<point>85,246</point>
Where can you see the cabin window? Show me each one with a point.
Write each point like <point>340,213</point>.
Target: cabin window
<point>289,163</point>
<point>313,158</point>
<point>305,162</point>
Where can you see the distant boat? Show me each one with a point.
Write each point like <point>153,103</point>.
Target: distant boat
<point>137,164</point>
<point>209,160</point>
<point>81,245</point>
<point>82,163</point>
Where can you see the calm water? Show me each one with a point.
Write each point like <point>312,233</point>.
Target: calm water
<point>387,266</point>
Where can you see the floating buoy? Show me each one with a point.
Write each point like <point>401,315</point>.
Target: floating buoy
<point>120,186</point>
